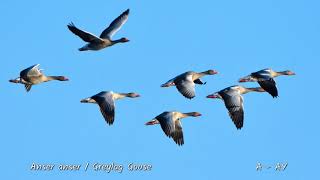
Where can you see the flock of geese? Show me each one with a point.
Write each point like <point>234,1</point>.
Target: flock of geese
<point>185,84</point>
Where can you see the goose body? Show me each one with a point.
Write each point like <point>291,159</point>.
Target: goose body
<point>265,79</point>
<point>33,75</point>
<point>185,83</point>
<point>104,40</point>
<point>233,100</point>
<point>106,102</point>
<point>171,124</point>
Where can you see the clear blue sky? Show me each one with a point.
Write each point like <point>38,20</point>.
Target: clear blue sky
<point>50,125</point>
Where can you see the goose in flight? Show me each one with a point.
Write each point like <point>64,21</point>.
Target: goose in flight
<point>171,125</point>
<point>33,75</point>
<point>106,102</point>
<point>185,83</point>
<point>265,79</point>
<point>233,100</point>
<point>96,43</point>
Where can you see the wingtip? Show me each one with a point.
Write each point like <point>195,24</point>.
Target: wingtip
<point>70,25</point>
<point>190,98</point>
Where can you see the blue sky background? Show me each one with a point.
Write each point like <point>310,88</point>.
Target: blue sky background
<point>50,125</point>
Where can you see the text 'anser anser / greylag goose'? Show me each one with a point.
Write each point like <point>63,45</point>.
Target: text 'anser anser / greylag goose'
<point>106,102</point>
<point>185,83</point>
<point>265,79</point>
<point>233,100</point>
<point>97,43</point>
<point>33,75</point>
<point>171,125</point>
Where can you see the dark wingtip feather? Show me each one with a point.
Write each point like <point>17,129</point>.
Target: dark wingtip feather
<point>70,25</point>
<point>186,96</point>
<point>273,94</point>
<point>239,127</point>
<point>189,97</point>
<point>127,11</point>
<point>237,118</point>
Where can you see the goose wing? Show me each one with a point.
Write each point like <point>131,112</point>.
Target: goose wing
<point>115,26</point>
<point>263,74</point>
<point>107,106</point>
<point>171,127</point>
<point>177,134</point>
<point>234,103</point>
<point>269,86</point>
<point>198,81</point>
<point>166,122</point>
<point>85,36</point>
<point>185,85</point>
<point>32,71</point>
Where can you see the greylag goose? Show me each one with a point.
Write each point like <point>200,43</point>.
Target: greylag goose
<point>171,125</point>
<point>233,100</point>
<point>185,83</point>
<point>33,75</point>
<point>96,43</point>
<point>265,79</point>
<point>106,102</point>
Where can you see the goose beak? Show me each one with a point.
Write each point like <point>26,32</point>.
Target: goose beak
<point>242,80</point>
<point>212,96</point>
<point>168,84</point>
<point>153,122</point>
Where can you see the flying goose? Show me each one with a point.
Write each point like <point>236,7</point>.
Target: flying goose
<point>106,102</point>
<point>185,83</point>
<point>33,75</point>
<point>233,100</point>
<point>96,43</point>
<point>265,79</point>
<point>171,125</point>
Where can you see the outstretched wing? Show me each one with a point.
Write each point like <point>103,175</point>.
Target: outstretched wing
<point>166,122</point>
<point>115,26</point>
<point>28,87</point>
<point>177,134</point>
<point>185,85</point>
<point>32,71</point>
<point>86,36</point>
<point>269,86</point>
<point>234,103</point>
<point>107,106</point>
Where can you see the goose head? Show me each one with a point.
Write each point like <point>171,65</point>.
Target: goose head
<point>194,114</point>
<point>59,78</point>
<point>246,79</point>
<point>211,72</point>
<point>133,95</point>
<point>288,72</point>
<point>123,40</point>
